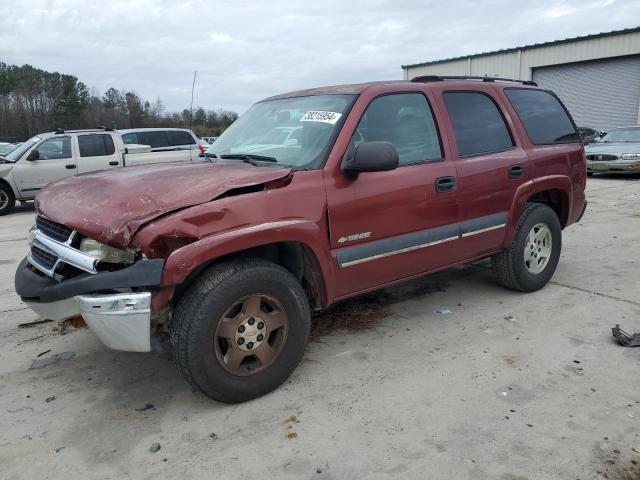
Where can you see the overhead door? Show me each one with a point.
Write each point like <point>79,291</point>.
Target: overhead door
<point>602,94</point>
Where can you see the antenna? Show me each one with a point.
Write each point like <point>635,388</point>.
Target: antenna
<point>193,86</point>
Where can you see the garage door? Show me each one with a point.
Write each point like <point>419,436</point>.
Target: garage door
<point>602,94</point>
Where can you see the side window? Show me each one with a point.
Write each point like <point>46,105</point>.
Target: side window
<point>96,145</point>
<point>54,148</point>
<point>129,138</point>
<point>543,116</point>
<point>404,119</point>
<point>477,123</point>
<point>157,139</point>
<point>179,137</point>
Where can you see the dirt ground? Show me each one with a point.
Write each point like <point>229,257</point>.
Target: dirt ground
<point>507,386</point>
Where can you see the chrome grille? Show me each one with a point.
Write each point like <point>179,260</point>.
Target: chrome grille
<point>53,230</point>
<point>601,157</point>
<point>43,258</point>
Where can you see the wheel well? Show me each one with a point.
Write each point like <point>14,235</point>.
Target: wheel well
<point>557,200</point>
<point>6,184</point>
<point>295,257</point>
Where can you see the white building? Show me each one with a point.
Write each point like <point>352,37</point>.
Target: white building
<point>596,76</point>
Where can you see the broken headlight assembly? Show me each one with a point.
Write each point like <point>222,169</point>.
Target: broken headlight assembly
<point>105,253</point>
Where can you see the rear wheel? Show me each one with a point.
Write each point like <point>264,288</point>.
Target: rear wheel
<point>240,330</point>
<point>532,259</point>
<point>7,199</point>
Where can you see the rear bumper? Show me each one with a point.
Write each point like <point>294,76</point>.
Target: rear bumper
<point>613,167</point>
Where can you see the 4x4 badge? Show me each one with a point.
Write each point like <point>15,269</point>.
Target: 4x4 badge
<point>355,236</point>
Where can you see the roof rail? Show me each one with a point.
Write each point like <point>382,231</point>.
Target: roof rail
<point>59,131</point>
<point>440,78</point>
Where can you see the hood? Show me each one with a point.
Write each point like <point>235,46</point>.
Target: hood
<point>111,206</point>
<point>615,148</point>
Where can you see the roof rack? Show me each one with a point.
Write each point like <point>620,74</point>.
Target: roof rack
<point>100,128</point>
<point>440,78</point>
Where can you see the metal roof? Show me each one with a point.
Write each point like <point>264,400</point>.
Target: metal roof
<point>525,47</point>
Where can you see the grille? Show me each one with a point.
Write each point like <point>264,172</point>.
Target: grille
<point>52,229</point>
<point>43,258</point>
<point>601,157</point>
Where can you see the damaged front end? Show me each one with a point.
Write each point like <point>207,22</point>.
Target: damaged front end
<point>65,275</point>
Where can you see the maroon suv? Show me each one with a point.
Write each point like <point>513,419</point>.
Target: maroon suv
<point>309,198</point>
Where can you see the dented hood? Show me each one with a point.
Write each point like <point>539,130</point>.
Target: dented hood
<point>111,206</point>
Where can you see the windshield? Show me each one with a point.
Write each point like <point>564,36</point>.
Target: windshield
<point>296,132</point>
<point>623,135</point>
<point>14,155</point>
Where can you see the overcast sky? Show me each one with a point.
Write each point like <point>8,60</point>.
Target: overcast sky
<point>248,50</point>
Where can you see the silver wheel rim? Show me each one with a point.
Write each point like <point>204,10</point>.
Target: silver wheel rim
<point>4,199</point>
<point>537,249</point>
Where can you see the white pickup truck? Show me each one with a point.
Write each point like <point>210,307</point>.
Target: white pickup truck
<point>53,156</point>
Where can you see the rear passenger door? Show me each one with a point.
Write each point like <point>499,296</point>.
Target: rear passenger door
<point>491,165</point>
<point>97,152</point>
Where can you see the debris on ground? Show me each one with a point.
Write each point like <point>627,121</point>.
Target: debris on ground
<point>58,449</point>
<point>53,359</point>
<point>43,353</point>
<point>292,435</point>
<point>625,339</point>
<point>40,321</point>
<point>148,406</point>
<point>442,312</point>
<point>213,436</point>
<point>69,325</point>
<point>154,447</point>
<point>50,399</point>
<point>185,418</point>
<point>510,318</point>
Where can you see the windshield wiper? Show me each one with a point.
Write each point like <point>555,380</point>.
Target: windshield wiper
<point>249,158</point>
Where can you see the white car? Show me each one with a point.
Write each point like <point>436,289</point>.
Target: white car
<point>179,140</point>
<point>52,156</point>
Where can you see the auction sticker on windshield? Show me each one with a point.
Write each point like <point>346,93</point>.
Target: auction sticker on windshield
<point>319,116</point>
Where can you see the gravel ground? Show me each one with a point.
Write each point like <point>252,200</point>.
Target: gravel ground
<point>506,385</point>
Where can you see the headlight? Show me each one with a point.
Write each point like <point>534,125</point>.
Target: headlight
<point>105,253</point>
<point>630,156</point>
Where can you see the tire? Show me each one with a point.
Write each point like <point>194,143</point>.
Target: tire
<point>7,199</point>
<point>517,272</point>
<point>206,312</point>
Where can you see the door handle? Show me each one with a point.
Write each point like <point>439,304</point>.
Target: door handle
<point>70,167</point>
<point>445,184</point>
<point>516,171</point>
<point>114,164</point>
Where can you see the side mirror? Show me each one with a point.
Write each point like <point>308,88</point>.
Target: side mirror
<point>371,157</point>
<point>33,155</point>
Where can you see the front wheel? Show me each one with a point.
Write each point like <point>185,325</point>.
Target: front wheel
<point>7,199</point>
<point>532,259</point>
<point>241,329</point>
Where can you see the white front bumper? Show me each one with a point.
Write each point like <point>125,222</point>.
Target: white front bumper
<point>122,321</point>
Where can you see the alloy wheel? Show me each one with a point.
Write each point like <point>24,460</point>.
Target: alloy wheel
<point>538,248</point>
<point>251,334</point>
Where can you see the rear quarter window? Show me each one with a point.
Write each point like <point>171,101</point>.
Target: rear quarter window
<point>544,118</point>
<point>179,137</point>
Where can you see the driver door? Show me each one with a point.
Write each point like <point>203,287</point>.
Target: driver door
<point>52,160</point>
<point>386,226</point>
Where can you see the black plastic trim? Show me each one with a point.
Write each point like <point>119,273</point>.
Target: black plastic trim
<point>36,288</point>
